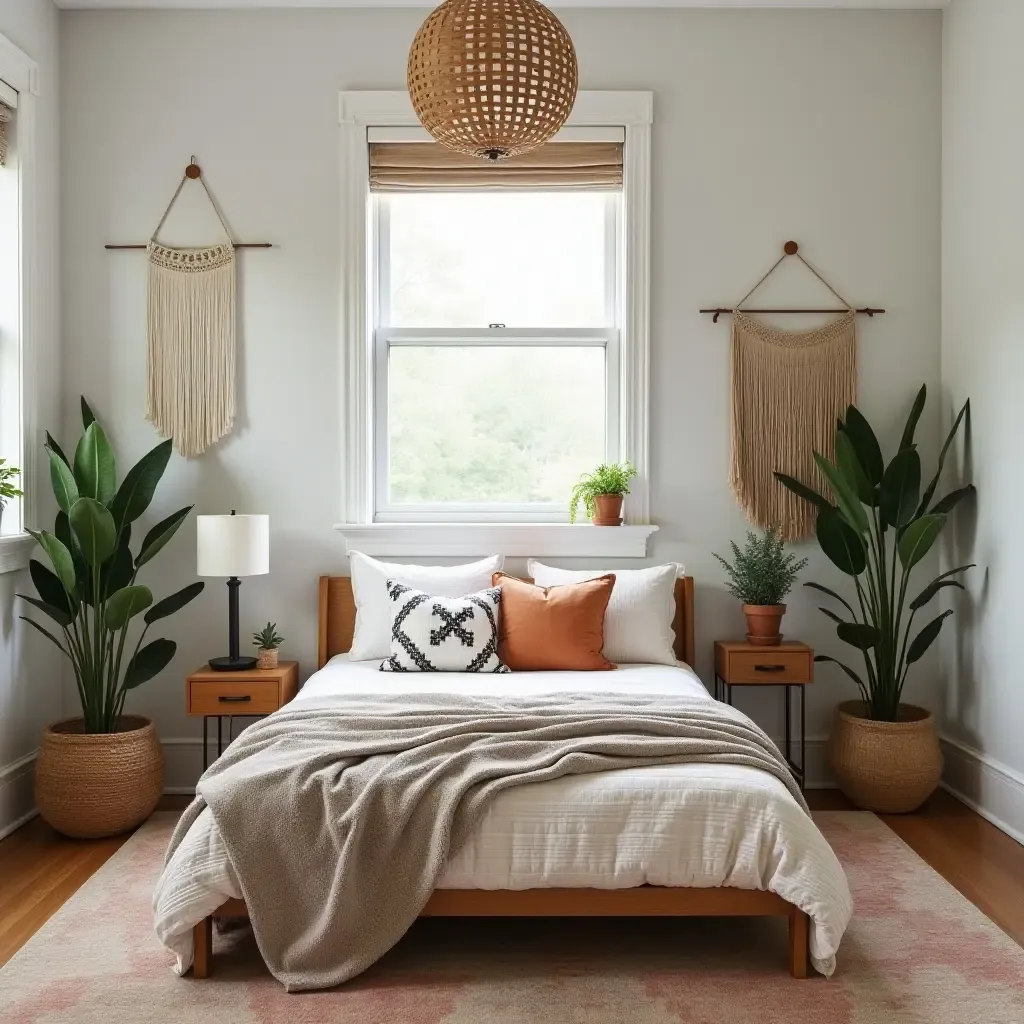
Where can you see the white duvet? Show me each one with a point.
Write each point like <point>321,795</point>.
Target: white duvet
<point>697,825</point>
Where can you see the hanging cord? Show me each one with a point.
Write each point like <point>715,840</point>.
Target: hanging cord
<point>775,266</point>
<point>209,195</point>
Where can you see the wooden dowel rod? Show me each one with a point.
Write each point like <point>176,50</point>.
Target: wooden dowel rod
<point>865,310</point>
<point>238,245</point>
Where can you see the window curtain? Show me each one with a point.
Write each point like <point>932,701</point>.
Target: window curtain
<point>557,166</point>
<point>6,116</point>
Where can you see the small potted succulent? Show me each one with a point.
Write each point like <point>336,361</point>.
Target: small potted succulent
<point>7,488</point>
<point>602,492</point>
<point>761,575</point>
<point>268,641</point>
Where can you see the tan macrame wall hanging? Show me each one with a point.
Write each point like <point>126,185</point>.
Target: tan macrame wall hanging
<point>788,390</point>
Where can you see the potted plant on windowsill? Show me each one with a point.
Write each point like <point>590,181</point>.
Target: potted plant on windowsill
<point>601,493</point>
<point>268,642</point>
<point>7,488</point>
<point>877,530</point>
<point>102,773</point>
<point>761,576</point>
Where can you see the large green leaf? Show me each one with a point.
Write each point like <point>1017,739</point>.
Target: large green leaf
<point>848,463</point>
<point>915,414</point>
<point>931,590</point>
<point>153,658</point>
<point>176,601</point>
<point>49,636</point>
<point>869,454</point>
<point>831,593</point>
<point>926,637</point>
<point>60,558</point>
<point>62,480</point>
<point>901,487</point>
<point>94,529</point>
<point>51,443</point>
<point>63,532</point>
<point>87,414</point>
<point>160,535</point>
<point>859,634</point>
<point>918,538</point>
<point>51,590</point>
<point>59,615</point>
<point>118,570</point>
<point>802,490</point>
<point>846,498</point>
<point>95,466</point>
<point>843,546</point>
<point>125,604</point>
<point>930,492</point>
<point>138,487</point>
<point>951,500</point>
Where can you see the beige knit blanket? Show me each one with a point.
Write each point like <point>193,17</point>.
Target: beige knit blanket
<point>339,815</point>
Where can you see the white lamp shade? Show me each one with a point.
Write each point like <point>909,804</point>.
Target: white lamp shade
<point>232,545</point>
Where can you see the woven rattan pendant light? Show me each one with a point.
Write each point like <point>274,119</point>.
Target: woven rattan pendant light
<point>492,78</point>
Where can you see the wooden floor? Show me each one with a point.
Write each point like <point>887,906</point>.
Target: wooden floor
<point>39,869</point>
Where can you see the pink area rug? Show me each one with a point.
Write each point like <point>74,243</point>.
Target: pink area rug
<point>916,953</point>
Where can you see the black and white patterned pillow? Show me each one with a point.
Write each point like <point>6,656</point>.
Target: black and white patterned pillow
<point>443,634</point>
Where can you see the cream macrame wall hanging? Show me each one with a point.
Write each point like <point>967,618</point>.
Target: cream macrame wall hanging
<point>191,333</point>
<point>788,390</point>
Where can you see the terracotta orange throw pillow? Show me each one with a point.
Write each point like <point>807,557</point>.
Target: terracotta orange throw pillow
<point>553,627</point>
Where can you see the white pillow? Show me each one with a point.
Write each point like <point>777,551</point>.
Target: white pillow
<point>372,636</point>
<point>638,622</point>
<point>443,634</point>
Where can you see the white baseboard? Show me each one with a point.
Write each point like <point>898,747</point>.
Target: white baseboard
<point>17,798</point>
<point>183,756</point>
<point>992,789</point>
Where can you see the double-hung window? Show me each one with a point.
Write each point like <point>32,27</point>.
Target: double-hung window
<point>497,326</point>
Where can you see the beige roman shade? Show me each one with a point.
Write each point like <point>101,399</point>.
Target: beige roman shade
<point>6,116</point>
<point>557,166</point>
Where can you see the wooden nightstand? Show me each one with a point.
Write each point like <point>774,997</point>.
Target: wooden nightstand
<point>232,695</point>
<point>788,665</point>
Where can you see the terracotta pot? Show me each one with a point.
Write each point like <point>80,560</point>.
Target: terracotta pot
<point>607,510</point>
<point>99,784</point>
<point>892,767</point>
<point>266,657</point>
<point>763,622</point>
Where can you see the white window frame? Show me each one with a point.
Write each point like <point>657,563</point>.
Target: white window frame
<point>21,73</point>
<point>468,530</point>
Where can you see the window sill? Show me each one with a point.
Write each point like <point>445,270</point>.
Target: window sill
<point>15,552</point>
<point>542,540</point>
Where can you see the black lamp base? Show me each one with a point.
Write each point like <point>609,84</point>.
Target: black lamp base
<point>233,664</point>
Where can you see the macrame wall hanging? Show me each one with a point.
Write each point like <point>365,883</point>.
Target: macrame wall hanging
<point>788,390</point>
<point>191,333</point>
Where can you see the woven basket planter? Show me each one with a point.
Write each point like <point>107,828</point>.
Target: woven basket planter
<point>266,657</point>
<point>99,784</point>
<point>891,767</point>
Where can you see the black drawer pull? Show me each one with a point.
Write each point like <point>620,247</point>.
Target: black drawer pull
<point>765,668</point>
<point>241,698</point>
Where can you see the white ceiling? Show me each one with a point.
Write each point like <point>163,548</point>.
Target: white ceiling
<point>886,5</point>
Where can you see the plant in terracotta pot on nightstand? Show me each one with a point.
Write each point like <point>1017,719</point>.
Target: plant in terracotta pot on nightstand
<point>268,642</point>
<point>601,493</point>
<point>102,773</point>
<point>761,575</point>
<point>877,528</point>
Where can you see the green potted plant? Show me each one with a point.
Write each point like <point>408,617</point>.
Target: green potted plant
<point>761,575</point>
<point>102,773</point>
<point>876,528</point>
<point>601,493</point>
<point>7,488</point>
<point>268,642</point>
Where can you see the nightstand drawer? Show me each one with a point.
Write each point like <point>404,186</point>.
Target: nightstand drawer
<point>766,666</point>
<point>242,697</point>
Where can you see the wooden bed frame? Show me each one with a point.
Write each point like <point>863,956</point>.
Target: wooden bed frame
<point>336,622</point>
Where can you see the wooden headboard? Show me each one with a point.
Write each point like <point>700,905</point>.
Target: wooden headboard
<point>336,618</point>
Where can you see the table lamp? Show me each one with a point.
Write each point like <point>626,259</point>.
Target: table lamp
<point>232,546</point>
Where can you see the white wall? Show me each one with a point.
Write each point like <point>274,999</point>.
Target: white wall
<point>983,358</point>
<point>821,126</point>
<point>30,691</point>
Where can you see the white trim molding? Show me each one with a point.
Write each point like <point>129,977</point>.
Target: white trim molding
<point>17,793</point>
<point>541,540</point>
<point>358,112</point>
<point>992,789</point>
<point>15,552</point>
